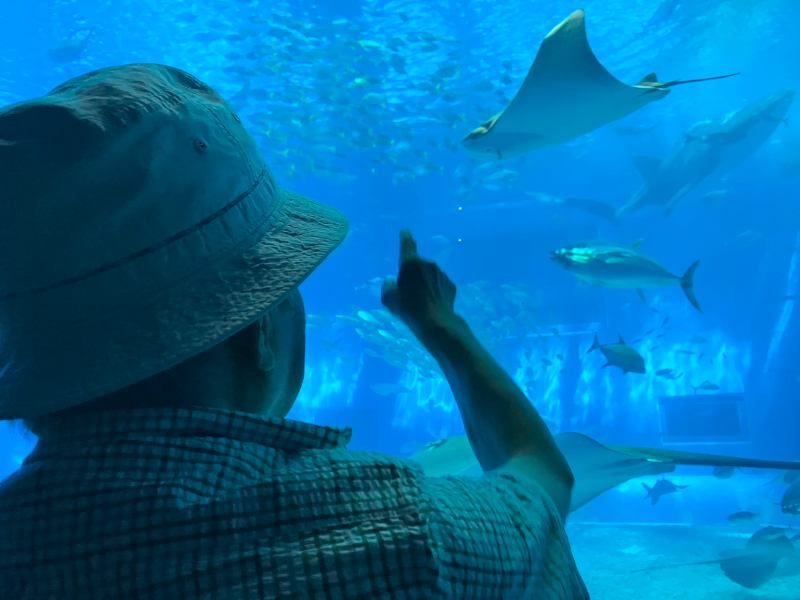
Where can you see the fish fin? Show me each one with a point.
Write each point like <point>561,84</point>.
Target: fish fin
<point>687,284</point>
<point>606,365</point>
<point>641,295</point>
<point>648,489</point>
<point>649,78</point>
<point>637,243</point>
<point>596,207</point>
<point>621,341</point>
<point>670,206</point>
<point>648,167</point>
<point>595,345</point>
<point>653,500</point>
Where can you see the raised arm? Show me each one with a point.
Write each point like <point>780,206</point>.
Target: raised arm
<point>504,429</point>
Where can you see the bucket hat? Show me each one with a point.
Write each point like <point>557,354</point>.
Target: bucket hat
<point>139,226</point>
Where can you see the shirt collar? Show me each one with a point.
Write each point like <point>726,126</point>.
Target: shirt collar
<point>105,426</point>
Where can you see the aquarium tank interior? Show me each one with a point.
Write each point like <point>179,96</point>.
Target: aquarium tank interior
<point>611,186</point>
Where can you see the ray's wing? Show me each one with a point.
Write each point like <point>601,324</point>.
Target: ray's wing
<point>597,468</point>
<point>452,457</point>
<point>565,65</point>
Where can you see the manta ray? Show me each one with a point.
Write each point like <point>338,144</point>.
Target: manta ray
<point>596,467</point>
<point>566,94</point>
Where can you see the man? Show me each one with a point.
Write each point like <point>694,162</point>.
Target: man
<point>153,338</point>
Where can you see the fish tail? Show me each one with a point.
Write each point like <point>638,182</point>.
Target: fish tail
<point>687,283</point>
<point>595,345</point>
<point>653,497</point>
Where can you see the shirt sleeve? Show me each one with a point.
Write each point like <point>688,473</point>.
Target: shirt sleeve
<point>498,537</point>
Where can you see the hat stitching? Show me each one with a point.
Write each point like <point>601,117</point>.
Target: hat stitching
<point>148,250</point>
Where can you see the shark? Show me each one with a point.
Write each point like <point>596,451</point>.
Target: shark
<point>660,488</point>
<point>566,94</point>
<point>709,147</point>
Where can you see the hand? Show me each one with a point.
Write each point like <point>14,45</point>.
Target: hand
<point>422,294</point>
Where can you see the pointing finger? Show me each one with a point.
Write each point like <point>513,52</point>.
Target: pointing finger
<point>389,295</point>
<point>408,247</point>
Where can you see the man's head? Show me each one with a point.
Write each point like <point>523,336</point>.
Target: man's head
<point>257,370</point>
<point>139,228</point>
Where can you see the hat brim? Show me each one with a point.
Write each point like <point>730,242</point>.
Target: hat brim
<point>91,357</point>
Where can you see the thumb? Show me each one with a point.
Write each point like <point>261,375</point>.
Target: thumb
<point>389,295</point>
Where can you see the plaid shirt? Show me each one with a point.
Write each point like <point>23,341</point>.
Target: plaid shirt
<point>180,504</point>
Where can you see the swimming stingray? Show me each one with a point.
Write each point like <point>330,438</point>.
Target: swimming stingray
<point>757,563</point>
<point>595,466</point>
<point>566,94</point>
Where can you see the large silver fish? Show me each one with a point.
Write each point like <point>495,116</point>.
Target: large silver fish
<point>613,266</point>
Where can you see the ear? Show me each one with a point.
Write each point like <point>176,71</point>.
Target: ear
<point>265,348</point>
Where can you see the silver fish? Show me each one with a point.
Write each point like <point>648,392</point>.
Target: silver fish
<point>614,266</point>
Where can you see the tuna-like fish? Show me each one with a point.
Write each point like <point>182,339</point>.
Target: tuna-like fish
<point>620,355</point>
<point>614,266</point>
<point>662,486</point>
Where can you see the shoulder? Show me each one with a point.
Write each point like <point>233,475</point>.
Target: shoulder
<point>501,532</point>
<point>362,466</point>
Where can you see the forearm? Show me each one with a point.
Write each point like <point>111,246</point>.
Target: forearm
<point>501,423</point>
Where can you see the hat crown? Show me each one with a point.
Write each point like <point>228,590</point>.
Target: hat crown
<point>111,165</point>
<point>139,226</point>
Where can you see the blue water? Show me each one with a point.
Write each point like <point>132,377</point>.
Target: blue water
<point>362,105</point>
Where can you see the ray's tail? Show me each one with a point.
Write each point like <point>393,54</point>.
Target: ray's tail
<point>682,81</point>
<point>651,82</point>
<point>687,284</point>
